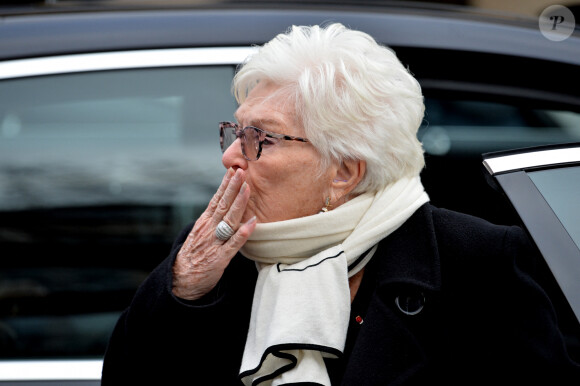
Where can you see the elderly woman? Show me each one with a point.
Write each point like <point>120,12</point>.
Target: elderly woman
<point>320,261</point>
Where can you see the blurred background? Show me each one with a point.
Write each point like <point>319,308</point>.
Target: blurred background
<point>100,168</point>
<point>523,7</point>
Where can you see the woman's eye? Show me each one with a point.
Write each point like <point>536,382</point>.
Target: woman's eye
<point>269,141</point>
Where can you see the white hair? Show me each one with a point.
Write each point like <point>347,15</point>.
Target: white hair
<point>353,97</point>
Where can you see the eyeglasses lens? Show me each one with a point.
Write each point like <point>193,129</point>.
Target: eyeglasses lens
<point>250,139</point>
<point>227,135</point>
<point>251,143</point>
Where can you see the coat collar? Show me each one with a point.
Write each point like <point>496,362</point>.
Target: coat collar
<point>387,351</point>
<point>410,254</point>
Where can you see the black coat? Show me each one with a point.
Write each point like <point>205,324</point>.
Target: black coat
<point>450,303</point>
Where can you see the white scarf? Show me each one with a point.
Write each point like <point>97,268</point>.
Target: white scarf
<point>301,303</point>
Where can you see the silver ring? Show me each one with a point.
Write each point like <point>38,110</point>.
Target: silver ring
<point>224,231</point>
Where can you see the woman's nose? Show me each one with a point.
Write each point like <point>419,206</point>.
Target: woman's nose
<point>233,156</point>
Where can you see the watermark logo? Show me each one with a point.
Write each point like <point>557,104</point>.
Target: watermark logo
<point>557,23</point>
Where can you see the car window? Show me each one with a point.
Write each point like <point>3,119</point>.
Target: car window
<point>560,188</point>
<point>464,126</point>
<point>458,128</point>
<point>98,171</point>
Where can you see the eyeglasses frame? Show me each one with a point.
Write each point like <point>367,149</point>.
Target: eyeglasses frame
<point>239,132</point>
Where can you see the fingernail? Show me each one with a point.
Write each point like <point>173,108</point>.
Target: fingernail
<point>244,186</point>
<point>252,220</point>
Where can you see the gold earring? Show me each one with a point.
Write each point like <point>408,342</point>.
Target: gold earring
<point>326,205</point>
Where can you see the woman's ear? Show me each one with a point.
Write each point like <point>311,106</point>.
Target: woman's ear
<point>347,177</point>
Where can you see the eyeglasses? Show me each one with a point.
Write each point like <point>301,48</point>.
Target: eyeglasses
<point>252,139</point>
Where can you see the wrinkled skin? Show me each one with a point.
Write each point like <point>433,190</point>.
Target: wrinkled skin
<point>284,183</point>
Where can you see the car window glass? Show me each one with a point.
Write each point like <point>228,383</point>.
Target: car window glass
<point>98,172</point>
<point>456,126</point>
<point>560,189</point>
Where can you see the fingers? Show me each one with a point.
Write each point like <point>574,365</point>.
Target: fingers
<point>241,236</point>
<point>203,257</point>
<point>234,214</point>
<point>233,201</point>
<point>221,190</point>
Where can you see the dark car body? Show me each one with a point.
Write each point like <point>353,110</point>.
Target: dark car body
<point>542,184</point>
<point>108,140</point>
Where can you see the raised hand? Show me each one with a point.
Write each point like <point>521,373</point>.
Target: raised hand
<point>203,257</point>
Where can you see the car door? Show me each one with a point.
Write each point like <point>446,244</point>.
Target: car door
<point>103,158</point>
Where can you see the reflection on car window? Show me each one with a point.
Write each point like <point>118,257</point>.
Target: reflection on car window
<point>560,189</point>
<point>474,127</point>
<point>98,171</point>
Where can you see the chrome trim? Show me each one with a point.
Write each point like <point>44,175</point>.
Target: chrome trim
<point>531,159</point>
<point>50,370</point>
<point>123,60</point>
